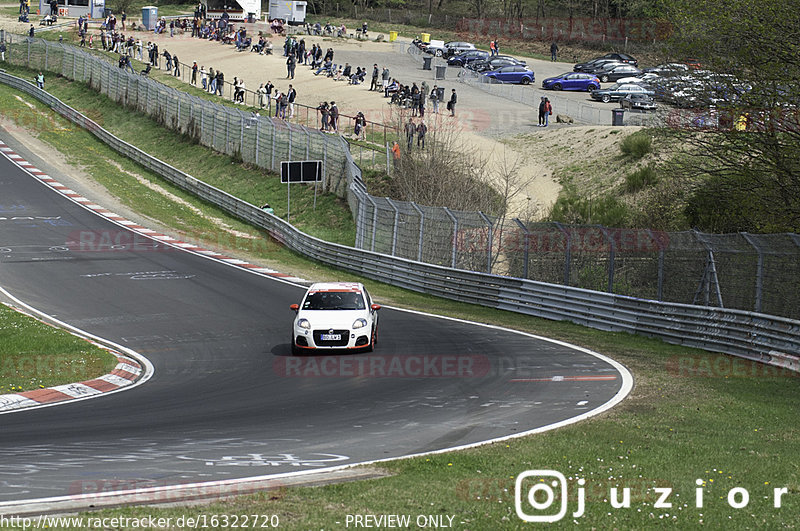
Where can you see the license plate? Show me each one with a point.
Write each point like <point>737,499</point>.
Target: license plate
<point>331,337</point>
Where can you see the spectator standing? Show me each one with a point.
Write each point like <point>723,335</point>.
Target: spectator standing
<point>139,49</point>
<point>396,153</point>
<point>262,92</point>
<point>554,52</point>
<point>435,99</point>
<point>220,82</point>
<point>422,130</point>
<point>290,97</point>
<point>542,107</point>
<point>194,73</point>
<point>212,80</point>
<point>168,59</point>
<point>360,126</point>
<point>323,110</point>
<point>204,78</point>
<point>491,48</point>
<point>291,63</point>
<point>375,74</point>
<point>268,89</point>
<point>451,105</point>
<point>3,50</point>
<point>411,130</point>
<point>171,28</point>
<point>124,18</point>
<point>40,81</point>
<point>176,64</point>
<point>334,116</point>
<point>31,32</point>
<point>548,110</point>
<point>385,79</point>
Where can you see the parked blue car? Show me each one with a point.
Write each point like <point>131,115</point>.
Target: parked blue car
<point>512,74</point>
<point>465,58</point>
<point>572,81</point>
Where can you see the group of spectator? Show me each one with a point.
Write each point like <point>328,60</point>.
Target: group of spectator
<point>419,130</point>
<point>416,98</point>
<point>284,101</point>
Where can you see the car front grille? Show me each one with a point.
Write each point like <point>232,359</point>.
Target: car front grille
<point>344,334</point>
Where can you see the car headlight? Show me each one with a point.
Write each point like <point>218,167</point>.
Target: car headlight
<point>359,323</point>
<point>303,323</point>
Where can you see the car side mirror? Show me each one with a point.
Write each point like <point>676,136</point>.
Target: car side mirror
<point>375,307</point>
<point>295,307</point>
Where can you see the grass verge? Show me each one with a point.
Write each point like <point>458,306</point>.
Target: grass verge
<point>35,355</point>
<point>692,415</point>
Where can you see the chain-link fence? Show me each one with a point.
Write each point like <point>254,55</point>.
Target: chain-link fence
<point>745,271</point>
<point>259,140</point>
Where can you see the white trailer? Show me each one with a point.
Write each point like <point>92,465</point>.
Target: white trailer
<point>291,11</point>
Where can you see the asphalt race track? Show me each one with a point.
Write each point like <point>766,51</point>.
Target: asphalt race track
<point>226,399</point>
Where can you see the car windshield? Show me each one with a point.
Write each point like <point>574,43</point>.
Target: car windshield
<point>334,300</point>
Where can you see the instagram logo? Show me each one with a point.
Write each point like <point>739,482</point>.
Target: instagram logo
<point>537,491</point>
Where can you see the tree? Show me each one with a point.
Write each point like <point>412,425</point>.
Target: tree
<point>753,48</point>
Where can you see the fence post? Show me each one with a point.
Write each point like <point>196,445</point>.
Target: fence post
<point>46,54</point>
<point>258,139</point>
<point>612,252</point>
<point>394,228</point>
<point>28,64</point>
<point>274,140</point>
<point>759,271</point>
<point>527,233</point>
<point>488,241</point>
<point>241,134</point>
<point>374,221</point>
<point>308,143</point>
<point>567,251</point>
<point>660,289</point>
<point>421,228</point>
<point>227,132</point>
<point>455,236</point>
<point>709,274</point>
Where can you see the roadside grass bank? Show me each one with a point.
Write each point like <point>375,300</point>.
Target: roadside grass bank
<point>34,355</point>
<point>692,415</point>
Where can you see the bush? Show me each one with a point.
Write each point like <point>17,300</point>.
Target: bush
<point>641,178</point>
<point>637,145</point>
<point>607,210</point>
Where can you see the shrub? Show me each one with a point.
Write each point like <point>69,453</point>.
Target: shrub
<point>570,207</point>
<point>641,178</point>
<point>637,145</point>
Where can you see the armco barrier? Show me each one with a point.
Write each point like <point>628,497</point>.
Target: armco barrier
<point>760,337</point>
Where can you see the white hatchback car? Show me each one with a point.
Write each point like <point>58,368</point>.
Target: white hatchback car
<point>335,315</point>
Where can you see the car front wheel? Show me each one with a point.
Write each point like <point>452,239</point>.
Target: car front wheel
<point>592,87</point>
<point>526,81</point>
<point>604,79</point>
<point>438,53</point>
<point>373,340</point>
<point>557,86</point>
<point>606,98</point>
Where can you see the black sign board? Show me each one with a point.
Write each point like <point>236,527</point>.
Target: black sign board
<point>301,171</point>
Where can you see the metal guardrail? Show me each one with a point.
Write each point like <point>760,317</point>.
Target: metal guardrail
<point>765,338</point>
